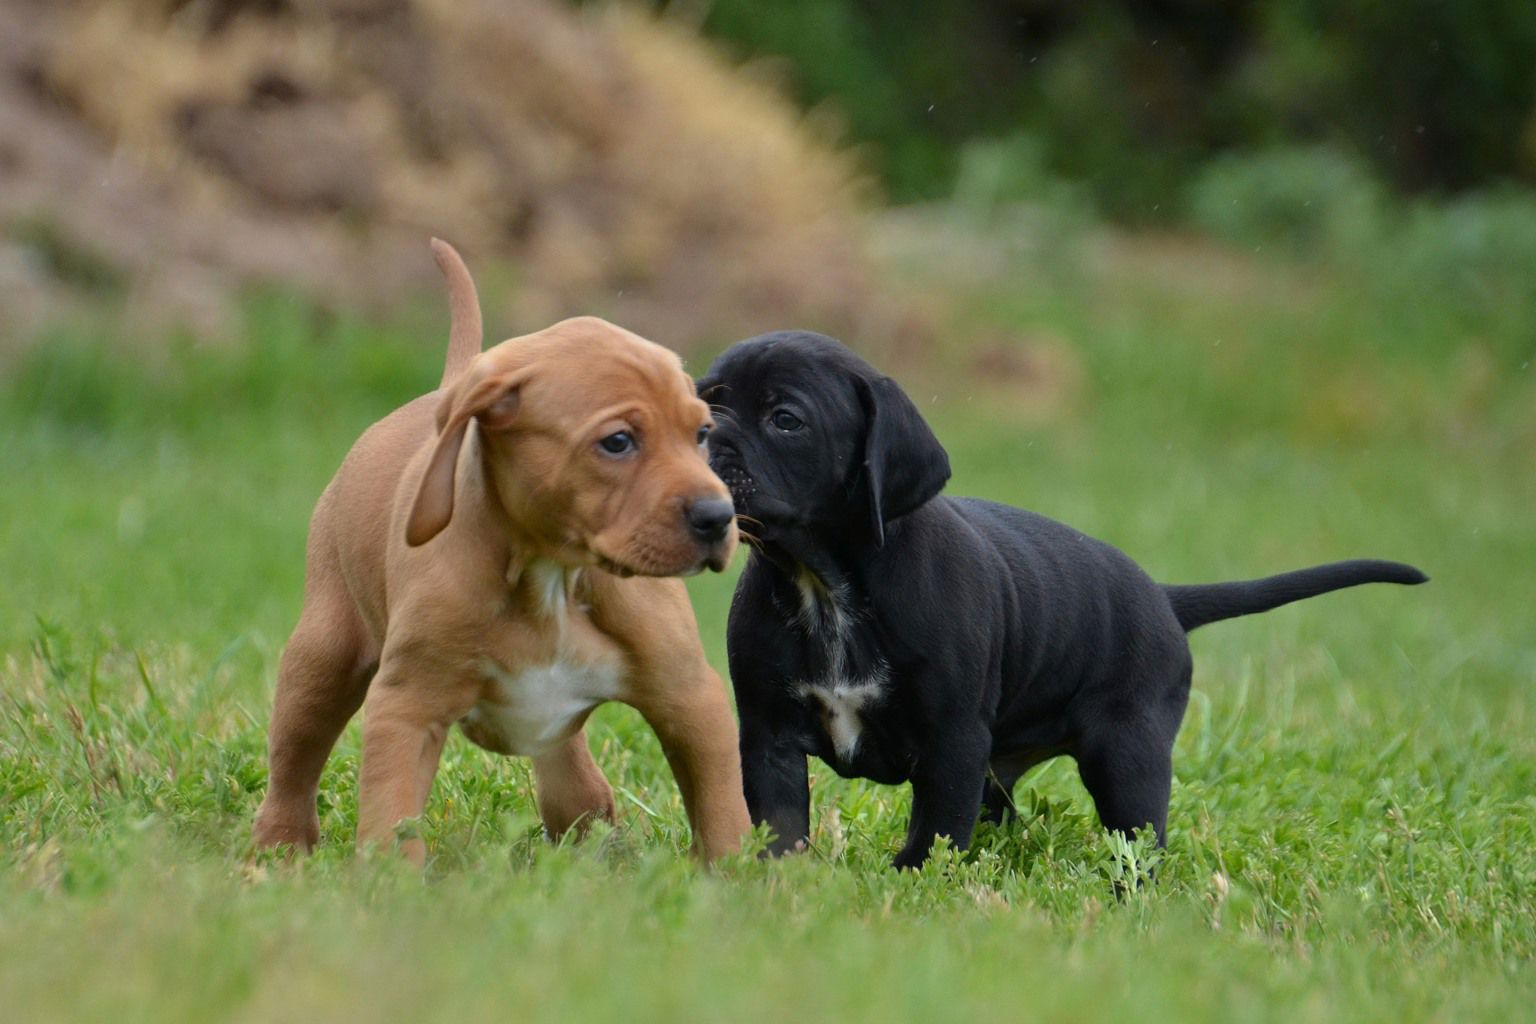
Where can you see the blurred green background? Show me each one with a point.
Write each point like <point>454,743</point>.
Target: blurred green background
<point>1137,100</point>
<point>722,165</point>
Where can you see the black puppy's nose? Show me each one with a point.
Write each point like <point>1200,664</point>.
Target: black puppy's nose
<point>709,518</point>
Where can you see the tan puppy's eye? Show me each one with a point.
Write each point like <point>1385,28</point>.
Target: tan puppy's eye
<point>620,442</point>
<point>703,434</point>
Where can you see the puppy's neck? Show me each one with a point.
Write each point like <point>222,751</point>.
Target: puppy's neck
<point>792,551</point>
<point>824,591</point>
<point>823,609</point>
<point>515,536</point>
<point>545,589</point>
<point>538,583</point>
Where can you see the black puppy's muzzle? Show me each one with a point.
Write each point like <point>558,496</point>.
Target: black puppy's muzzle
<point>739,483</point>
<point>761,513</point>
<point>726,462</point>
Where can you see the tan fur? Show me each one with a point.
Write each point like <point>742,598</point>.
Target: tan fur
<point>477,534</point>
<point>464,310</point>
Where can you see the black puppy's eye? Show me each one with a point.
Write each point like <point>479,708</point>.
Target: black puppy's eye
<point>703,434</point>
<point>619,443</point>
<point>785,420</point>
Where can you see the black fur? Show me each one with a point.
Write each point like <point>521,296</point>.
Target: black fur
<point>975,639</point>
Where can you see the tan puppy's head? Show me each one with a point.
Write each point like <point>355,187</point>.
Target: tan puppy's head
<point>592,442</point>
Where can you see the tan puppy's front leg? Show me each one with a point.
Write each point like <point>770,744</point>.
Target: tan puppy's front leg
<point>570,787</point>
<point>698,734</point>
<point>405,723</point>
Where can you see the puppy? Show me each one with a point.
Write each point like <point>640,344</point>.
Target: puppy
<point>950,642</point>
<point>492,554</point>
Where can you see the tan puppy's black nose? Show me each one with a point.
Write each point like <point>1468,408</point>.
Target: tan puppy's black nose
<point>709,518</point>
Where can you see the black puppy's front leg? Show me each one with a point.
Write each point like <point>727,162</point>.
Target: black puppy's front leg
<point>777,787</point>
<point>946,792</point>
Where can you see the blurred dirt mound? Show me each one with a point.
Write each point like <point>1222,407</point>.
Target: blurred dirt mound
<point>172,151</point>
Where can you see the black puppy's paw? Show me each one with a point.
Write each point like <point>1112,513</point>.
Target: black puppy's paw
<point>776,849</point>
<point>776,844</point>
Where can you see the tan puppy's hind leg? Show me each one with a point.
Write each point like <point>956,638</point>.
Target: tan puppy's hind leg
<point>321,681</point>
<point>571,789</point>
<point>698,735</point>
<point>404,727</point>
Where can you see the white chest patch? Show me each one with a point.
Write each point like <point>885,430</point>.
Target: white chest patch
<point>840,699</point>
<point>530,711</point>
<point>840,702</point>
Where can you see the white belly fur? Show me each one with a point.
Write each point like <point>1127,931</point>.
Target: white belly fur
<point>530,711</point>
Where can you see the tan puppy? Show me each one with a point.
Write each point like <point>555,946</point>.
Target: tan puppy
<point>490,554</point>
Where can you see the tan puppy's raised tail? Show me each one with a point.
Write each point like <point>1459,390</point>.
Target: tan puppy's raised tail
<point>467,333</point>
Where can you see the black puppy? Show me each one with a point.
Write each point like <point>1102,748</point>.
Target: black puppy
<point>952,642</point>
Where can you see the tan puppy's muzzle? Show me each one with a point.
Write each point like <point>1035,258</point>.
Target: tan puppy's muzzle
<point>701,536</point>
<point>682,523</point>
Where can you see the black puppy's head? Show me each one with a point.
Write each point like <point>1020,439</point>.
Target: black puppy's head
<point>809,437</point>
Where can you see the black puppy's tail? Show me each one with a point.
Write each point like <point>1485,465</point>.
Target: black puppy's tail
<point>1211,602</point>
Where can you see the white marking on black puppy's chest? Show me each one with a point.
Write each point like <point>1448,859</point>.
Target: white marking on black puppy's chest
<point>840,698</point>
<point>840,702</point>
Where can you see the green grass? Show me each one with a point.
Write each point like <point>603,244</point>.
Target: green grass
<point>1354,814</point>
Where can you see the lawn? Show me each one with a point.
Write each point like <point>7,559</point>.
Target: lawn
<point>1353,829</point>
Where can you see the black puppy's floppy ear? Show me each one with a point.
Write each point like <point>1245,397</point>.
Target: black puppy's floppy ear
<point>904,464</point>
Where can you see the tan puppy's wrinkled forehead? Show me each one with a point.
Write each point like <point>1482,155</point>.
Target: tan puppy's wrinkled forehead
<point>586,369</point>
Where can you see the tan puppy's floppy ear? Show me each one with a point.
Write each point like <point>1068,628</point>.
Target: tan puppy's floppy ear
<point>494,400</point>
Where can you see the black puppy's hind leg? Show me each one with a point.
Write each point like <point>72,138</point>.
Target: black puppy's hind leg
<point>1125,755</point>
<point>1130,781</point>
<point>1129,774</point>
